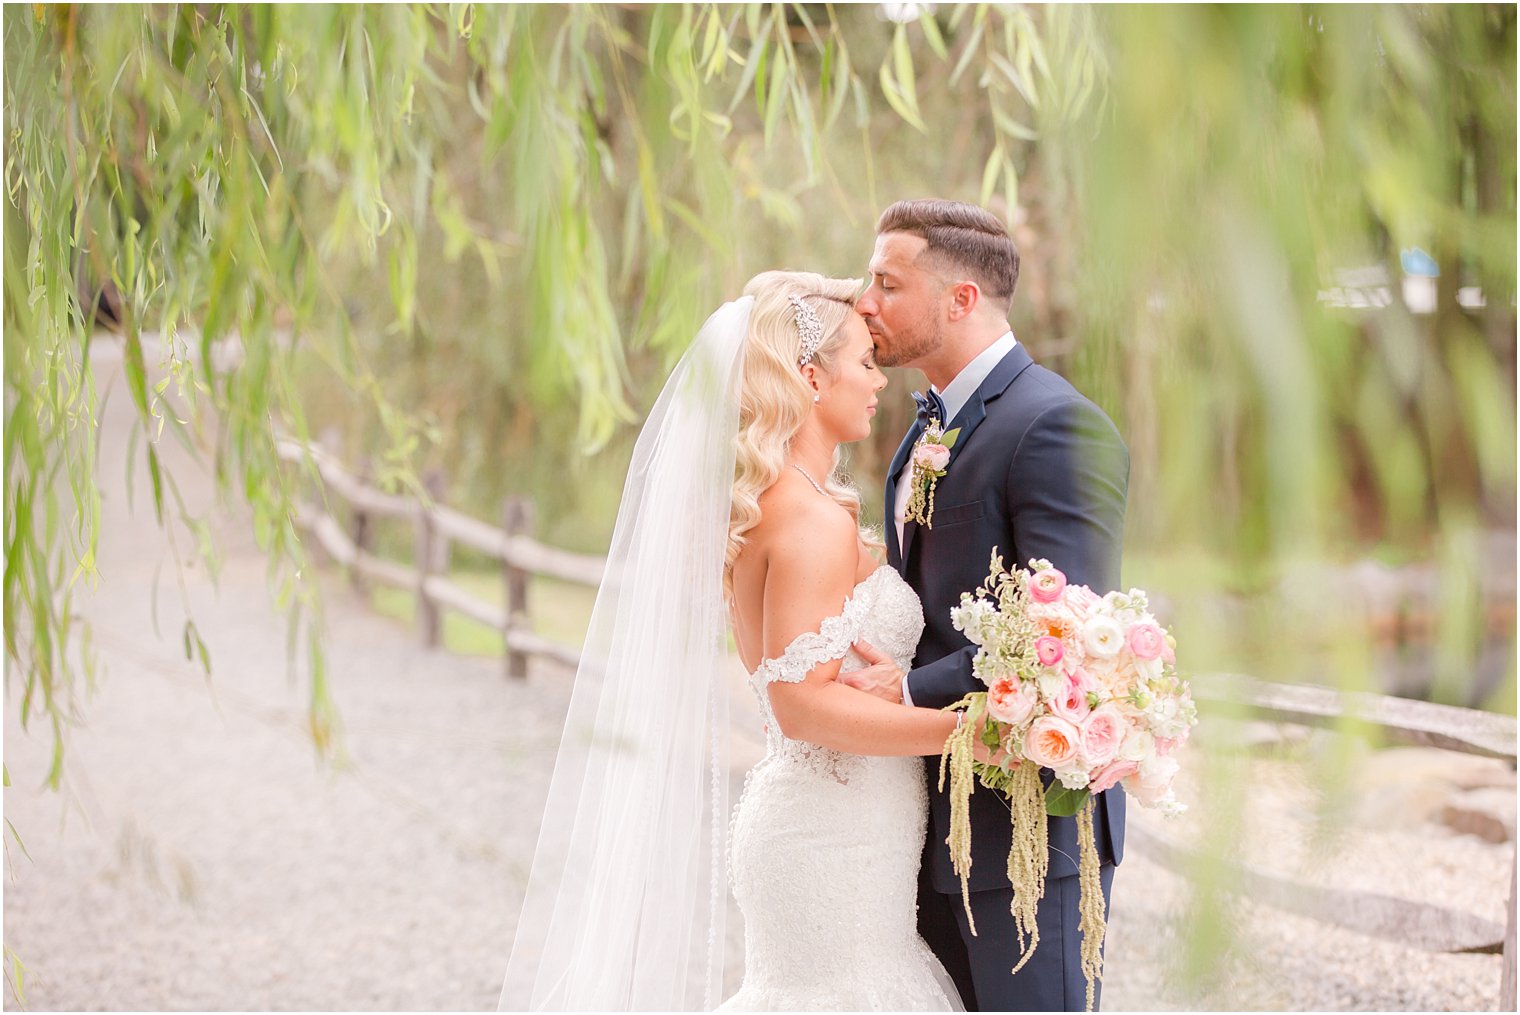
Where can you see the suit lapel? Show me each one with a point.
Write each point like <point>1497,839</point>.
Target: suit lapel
<point>968,419</point>
<point>895,555</point>
<point>910,529</point>
<point>975,410</point>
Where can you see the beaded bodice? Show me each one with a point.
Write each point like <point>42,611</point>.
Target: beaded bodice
<point>882,610</point>
<point>825,846</point>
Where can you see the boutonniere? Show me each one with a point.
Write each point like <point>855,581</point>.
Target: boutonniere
<point>930,457</point>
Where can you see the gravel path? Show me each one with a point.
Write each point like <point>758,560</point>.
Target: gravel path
<point>202,859</point>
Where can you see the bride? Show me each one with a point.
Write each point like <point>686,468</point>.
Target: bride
<point>732,516</point>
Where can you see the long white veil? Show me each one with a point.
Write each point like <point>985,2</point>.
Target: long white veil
<point>627,897</point>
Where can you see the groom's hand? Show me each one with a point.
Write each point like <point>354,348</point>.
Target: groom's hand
<point>881,676</point>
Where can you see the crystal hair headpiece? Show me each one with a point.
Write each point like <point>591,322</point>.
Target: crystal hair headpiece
<point>809,327</point>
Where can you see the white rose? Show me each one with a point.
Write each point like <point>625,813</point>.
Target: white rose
<point>1102,637</point>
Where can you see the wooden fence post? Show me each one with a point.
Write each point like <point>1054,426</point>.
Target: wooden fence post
<point>431,553</point>
<point>328,444</point>
<point>1507,977</point>
<point>363,533</point>
<point>517,519</point>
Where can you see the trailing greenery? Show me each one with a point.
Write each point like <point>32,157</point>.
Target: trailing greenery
<point>401,204</point>
<point>474,238</point>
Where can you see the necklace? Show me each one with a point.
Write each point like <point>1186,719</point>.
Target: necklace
<point>810,479</point>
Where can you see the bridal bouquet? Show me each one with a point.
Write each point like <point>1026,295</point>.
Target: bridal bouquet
<point>1081,684</point>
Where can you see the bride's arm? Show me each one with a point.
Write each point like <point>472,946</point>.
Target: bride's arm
<point>811,573</point>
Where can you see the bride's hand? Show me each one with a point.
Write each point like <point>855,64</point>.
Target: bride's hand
<point>881,676</point>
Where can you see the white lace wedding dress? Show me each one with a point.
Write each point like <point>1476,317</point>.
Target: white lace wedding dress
<point>825,846</point>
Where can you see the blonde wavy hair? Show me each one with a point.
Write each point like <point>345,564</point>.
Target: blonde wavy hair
<point>774,399</point>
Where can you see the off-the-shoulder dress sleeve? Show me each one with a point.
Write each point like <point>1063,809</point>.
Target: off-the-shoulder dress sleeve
<point>831,641</point>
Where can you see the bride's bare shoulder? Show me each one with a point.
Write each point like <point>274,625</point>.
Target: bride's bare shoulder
<point>796,522</point>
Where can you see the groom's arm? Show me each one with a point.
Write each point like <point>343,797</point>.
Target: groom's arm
<point>942,682</point>
<point>1066,490</point>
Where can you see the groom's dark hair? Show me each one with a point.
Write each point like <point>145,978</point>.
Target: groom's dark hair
<point>962,236</point>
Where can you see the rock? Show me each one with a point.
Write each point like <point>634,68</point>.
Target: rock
<point>1488,813</point>
<point>1461,771</point>
<point>1408,786</point>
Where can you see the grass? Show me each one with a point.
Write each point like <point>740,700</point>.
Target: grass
<point>559,611</point>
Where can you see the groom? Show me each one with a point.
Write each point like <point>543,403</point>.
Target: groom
<point>1036,471</point>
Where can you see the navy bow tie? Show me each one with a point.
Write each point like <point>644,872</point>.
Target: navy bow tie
<point>930,405</point>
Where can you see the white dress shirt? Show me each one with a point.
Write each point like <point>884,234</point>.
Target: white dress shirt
<point>956,394</point>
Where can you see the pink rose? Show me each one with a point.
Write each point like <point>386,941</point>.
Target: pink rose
<point>1079,677</point>
<point>1009,701</point>
<point>1146,641</point>
<point>1050,650</point>
<point>1051,742</point>
<point>932,456</point>
<point>1166,745</point>
<point>1102,734</point>
<point>1045,586</point>
<point>1072,704</point>
<point>1111,774</point>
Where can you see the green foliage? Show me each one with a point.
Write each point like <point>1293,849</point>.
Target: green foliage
<point>1061,802</point>
<point>1252,156</point>
<point>451,231</point>
<point>475,238</point>
<point>557,610</point>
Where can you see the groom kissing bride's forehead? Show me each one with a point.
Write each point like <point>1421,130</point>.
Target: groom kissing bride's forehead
<point>735,520</point>
<point>1032,468</point>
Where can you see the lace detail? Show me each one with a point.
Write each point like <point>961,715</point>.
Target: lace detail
<point>832,640</point>
<point>883,610</point>
<point>825,846</point>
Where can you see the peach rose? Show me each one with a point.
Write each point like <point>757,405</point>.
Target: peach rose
<point>1050,650</point>
<point>932,456</point>
<point>1051,742</point>
<point>1009,701</point>
<point>1102,735</point>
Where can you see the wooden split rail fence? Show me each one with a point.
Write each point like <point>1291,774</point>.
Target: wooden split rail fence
<point>437,527</point>
<point>1418,925</point>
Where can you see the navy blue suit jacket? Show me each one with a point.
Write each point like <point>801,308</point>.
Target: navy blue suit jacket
<point>1037,471</point>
